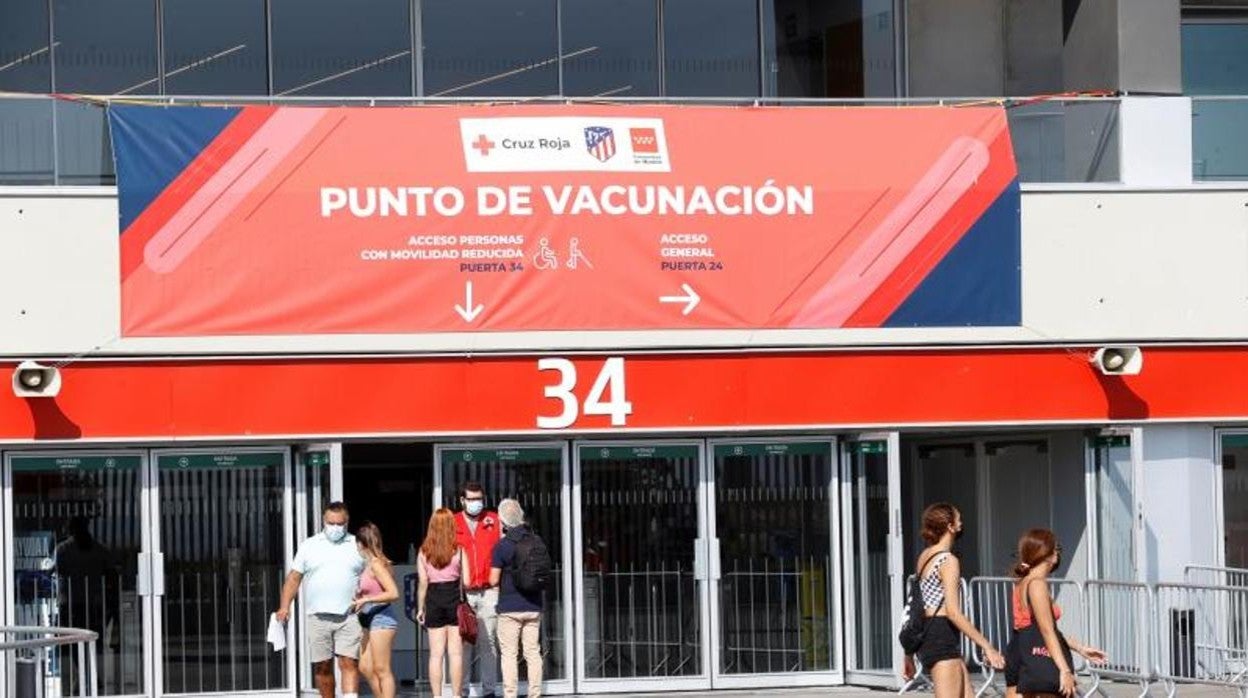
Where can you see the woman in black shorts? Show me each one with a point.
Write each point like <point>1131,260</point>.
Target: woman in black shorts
<point>442,573</point>
<point>940,575</point>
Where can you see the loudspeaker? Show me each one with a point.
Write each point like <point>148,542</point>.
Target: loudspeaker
<point>32,379</point>
<point>1118,361</point>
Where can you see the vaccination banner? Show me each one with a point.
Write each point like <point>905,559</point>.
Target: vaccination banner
<point>303,220</point>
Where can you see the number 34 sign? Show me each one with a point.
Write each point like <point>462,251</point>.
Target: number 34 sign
<point>606,396</point>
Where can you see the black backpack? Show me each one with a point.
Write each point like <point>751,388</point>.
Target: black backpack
<point>531,567</point>
<point>914,627</point>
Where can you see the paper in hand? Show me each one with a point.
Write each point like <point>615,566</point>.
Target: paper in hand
<point>277,633</point>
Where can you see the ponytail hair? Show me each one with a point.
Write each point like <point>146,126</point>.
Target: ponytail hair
<point>1034,546</point>
<point>937,518</point>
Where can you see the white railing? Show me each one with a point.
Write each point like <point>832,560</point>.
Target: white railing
<point>1202,635</point>
<point>66,141</point>
<point>34,664</point>
<point>1215,576</point>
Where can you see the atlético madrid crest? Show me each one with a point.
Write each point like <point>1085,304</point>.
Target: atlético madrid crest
<point>600,142</point>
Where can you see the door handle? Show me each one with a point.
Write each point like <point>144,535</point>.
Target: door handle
<point>715,566</point>
<point>699,559</point>
<point>158,574</point>
<point>144,575</point>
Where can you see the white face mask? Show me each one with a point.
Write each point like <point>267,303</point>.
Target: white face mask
<point>335,532</point>
<point>474,507</point>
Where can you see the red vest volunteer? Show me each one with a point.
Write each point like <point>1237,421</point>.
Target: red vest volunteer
<point>478,544</point>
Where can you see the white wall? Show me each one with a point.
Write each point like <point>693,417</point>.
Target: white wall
<point>1177,498</point>
<point>1107,265</point>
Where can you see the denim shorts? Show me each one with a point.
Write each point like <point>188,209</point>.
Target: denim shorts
<point>373,619</point>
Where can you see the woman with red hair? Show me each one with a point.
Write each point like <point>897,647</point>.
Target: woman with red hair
<point>442,574</point>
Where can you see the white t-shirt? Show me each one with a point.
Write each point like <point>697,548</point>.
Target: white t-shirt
<point>331,573</point>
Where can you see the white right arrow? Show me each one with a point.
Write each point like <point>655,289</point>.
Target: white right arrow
<point>690,299</point>
<point>468,313</point>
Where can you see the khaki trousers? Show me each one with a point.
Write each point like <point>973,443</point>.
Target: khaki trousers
<point>517,630</point>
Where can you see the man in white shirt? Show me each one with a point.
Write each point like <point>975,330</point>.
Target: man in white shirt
<point>331,564</point>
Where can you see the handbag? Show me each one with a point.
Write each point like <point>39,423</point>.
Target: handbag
<point>465,617</point>
<point>369,612</point>
<point>1037,672</point>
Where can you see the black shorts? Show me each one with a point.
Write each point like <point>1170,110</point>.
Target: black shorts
<point>941,641</point>
<point>441,600</point>
<point>1013,660</point>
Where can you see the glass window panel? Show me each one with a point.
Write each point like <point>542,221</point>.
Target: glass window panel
<point>76,543</point>
<point>612,48</point>
<point>868,566</point>
<point>84,151</point>
<point>1116,507</point>
<point>829,48</point>
<point>490,48</point>
<point>26,140</point>
<point>222,532</point>
<point>330,47</point>
<point>25,65</point>
<point>215,48</point>
<point>1235,501</point>
<point>1215,58</point>
<point>639,508</point>
<point>711,48</point>
<point>1215,62</point>
<point>773,521</point>
<point>105,47</point>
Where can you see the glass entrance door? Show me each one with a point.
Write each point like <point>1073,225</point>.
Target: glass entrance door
<point>223,538</point>
<point>871,487</point>
<point>774,553</point>
<point>535,475</point>
<point>641,572</point>
<point>79,523</point>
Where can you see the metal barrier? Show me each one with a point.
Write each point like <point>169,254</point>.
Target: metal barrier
<point>1201,635</point>
<point>1119,616</point>
<point>1171,633</point>
<point>1216,576</point>
<point>34,665</point>
<point>992,603</point>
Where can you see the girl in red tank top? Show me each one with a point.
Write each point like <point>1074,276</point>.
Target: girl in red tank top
<point>1039,555</point>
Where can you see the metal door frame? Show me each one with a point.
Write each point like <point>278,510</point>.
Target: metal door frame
<point>565,685</point>
<point>889,678</point>
<point>152,496</point>
<point>1093,494</point>
<point>701,681</point>
<point>147,603</point>
<point>295,636</point>
<point>834,676</point>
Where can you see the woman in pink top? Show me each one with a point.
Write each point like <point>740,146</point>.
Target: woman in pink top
<point>442,575</point>
<point>372,604</point>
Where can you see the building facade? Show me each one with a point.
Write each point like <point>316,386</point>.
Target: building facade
<point>727,508</point>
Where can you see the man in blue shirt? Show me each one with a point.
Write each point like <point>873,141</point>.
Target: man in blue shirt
<point>330,563</point>
<point>519,612</point>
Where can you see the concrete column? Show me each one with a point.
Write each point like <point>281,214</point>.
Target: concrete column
<point>1124,45</point>
<point>1023,47</point>
<point>1176,500</point>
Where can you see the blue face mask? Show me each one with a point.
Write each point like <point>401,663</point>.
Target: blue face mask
<point>474,507</point>
<point>335,532</point>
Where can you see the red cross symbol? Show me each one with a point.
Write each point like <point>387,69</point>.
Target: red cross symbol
<point>483,144</point>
